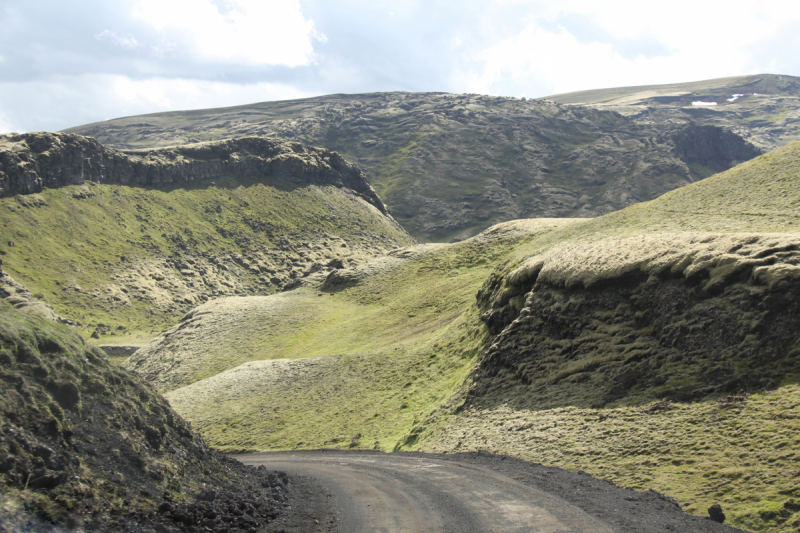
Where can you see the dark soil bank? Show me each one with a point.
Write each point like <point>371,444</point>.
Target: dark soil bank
<point>86,445</point>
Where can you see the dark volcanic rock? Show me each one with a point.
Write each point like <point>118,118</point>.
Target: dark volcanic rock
<point>712,147</point>
<point>31,161</point>
<point>715,513</point>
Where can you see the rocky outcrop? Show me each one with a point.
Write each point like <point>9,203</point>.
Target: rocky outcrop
<point>32,161</point>
<point>715,148</point>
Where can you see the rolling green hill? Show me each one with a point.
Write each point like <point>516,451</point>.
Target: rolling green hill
<point>764,108</point>
<point>370,352</point>
<point>124,244</point>
<point>451,165</point>
<point>656,346</point>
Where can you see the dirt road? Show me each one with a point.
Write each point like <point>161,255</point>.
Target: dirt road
<point>365,491</point>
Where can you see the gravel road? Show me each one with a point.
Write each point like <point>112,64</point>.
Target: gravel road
<point>358,491</point>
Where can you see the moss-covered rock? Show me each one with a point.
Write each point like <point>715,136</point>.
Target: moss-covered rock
<point>85,444</point>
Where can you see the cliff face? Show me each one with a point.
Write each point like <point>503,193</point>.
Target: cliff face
<point>715,148</point>
<point>32,161</point>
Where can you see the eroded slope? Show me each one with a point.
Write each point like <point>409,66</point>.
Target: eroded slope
<point>87,445</point>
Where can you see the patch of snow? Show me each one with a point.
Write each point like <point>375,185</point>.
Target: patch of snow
<point>734,97</point>
<point>703,103</point>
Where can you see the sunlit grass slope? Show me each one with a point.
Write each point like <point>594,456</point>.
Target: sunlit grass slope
<point>127,262</point>
<point>761,195</point>
<point>371,356</point>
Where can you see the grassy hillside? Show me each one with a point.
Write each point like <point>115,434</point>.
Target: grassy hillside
<point>655,346</point>
<point>370,354</point>
<point>655,359</point>
<point>764,108</point>
<point>452,165</point>
<point>124,261</point>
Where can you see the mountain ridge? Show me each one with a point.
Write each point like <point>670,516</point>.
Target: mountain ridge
<point>452,165</point>
<point>32,161</point>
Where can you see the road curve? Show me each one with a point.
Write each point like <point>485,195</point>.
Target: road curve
<point>405,494</point>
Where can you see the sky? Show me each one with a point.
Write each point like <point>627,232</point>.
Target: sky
<point>67,63</point>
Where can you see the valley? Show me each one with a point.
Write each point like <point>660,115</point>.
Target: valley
<point>644,322</point>
<point>613,288</point>
<point>121,254</point>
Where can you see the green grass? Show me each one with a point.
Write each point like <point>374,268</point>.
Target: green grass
<point>757,196</point>
<point>385,351</point>
<point>112,244</point>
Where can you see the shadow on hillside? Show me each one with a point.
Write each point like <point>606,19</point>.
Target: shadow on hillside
<point>631,344</point>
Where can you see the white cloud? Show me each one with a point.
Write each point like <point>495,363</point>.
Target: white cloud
<point>162,94</point>
<point>251,32</point>
<point>96,97</point>
<point>698,43</point>
<point>123,41</point>
<point>69,64</point>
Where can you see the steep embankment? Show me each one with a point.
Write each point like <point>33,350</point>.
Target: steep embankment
<point>452,165</point>
<point>657,346</point>
<point>87,445</point>
<point>124,243</point>
<point>764,108</point>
